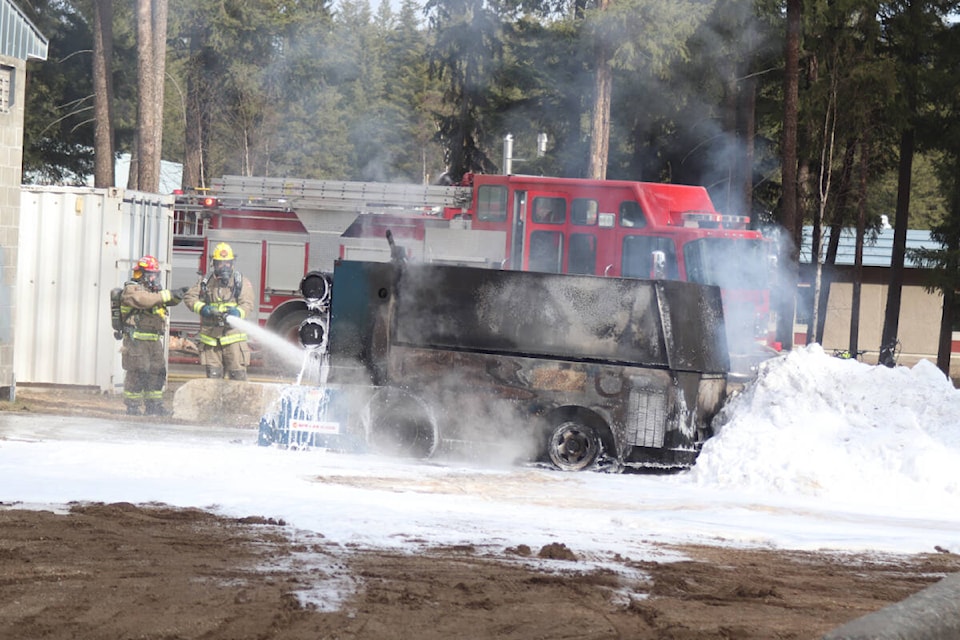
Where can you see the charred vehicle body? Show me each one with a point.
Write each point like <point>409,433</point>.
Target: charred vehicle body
<point>580,372</point>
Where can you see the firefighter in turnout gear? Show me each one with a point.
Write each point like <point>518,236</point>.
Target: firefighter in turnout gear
<point>143,317</point>
<point>219,296</point>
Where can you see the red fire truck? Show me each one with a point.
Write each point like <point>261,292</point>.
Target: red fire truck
<point>281,229</point>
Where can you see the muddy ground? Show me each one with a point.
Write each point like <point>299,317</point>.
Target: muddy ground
<point>128,571</point>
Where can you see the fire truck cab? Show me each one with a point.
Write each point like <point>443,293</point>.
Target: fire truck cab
<point>591,227</point>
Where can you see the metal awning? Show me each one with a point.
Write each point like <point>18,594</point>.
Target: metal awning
<point>18,37</point>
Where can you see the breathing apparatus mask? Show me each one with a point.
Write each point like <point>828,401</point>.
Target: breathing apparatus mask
<point>223,269</point>
<point>223,262</point>
<point>147,273</point>
<point>151,280</point>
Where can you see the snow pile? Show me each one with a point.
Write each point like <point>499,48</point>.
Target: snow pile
<point>812,424</point>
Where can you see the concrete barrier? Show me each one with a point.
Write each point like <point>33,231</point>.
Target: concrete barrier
<point>224,402</point>
<point>931,614</point>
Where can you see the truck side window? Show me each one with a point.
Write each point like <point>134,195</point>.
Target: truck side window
<point>549,210</point>
<point>631,215</point>
<point>638,257</point>
<point>491,203</point>
<point>583,254</point>
<point>546,251</point>
<point>583,211</point>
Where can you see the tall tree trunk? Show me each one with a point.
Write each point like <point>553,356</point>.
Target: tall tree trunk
<point>891,317</point>
<point>728,120</point>
<point>103,162</point>
<point>195,116</point>
<point>823,196</point>
<point>836,228</point>
<point>952,267</point>
<point>133,172</point>
<point>151,57</point>
<point>789,245</point>
<point>910,62</point>
<point>193,175</point>
<point>816,264</point>
<point>854,344</point>
<point>600,121</point>
<point>945,340</point>
<point>600,117</point>
<point>748,118</point>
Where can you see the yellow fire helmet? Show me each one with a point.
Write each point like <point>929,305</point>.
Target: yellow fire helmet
<point>223,251</point>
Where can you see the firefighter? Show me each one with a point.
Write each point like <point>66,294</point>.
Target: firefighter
<point>143,313</point>
<point>220,295</point>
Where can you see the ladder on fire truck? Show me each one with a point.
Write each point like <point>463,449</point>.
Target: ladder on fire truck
<point>291,194</point>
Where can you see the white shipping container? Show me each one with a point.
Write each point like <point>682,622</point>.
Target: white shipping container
<point>75,245</point>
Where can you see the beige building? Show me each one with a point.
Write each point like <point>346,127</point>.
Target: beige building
<point>19,41</point>
<point>920,311</point>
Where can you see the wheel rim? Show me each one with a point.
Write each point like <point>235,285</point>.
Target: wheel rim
<point>400,425</point>
<point>573,446</point>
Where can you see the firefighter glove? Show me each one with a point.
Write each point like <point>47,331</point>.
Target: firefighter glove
<point>176,295</point>
<point>234,311</point>
<point>209,311</point>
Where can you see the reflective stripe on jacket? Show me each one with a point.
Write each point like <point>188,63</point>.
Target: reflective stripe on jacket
<point>222,341</point>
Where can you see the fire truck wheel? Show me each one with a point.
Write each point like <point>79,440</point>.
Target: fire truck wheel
<point>573,445</point>
<point>288,325</point>
<point>400,424</point>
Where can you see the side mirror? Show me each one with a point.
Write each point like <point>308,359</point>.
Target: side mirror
<point>659,270</point>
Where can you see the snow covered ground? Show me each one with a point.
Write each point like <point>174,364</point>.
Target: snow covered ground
<point>819,454</point>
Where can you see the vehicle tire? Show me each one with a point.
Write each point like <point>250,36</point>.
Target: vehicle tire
<point>287,326</point>
<point>573,445</point>
<point>399,424</point>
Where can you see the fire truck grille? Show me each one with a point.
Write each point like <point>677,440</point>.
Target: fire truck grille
<point>646,418</point>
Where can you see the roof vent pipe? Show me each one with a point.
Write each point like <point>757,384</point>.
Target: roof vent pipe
<point>507,154</point>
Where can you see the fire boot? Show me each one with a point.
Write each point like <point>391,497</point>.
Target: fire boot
<point>214,372</point>
<point>155,408</point>
<point>238,374</point>
<point>133,409</point>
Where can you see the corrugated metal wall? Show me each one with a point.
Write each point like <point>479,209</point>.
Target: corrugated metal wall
<point>18,37</point>
<point>76,244</point>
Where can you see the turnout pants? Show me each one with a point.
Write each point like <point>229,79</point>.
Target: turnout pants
<point>146,372</point>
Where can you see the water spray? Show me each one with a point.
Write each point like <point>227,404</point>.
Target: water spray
<point>288,352</point>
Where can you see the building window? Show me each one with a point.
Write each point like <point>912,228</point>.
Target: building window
<point>7,88</point>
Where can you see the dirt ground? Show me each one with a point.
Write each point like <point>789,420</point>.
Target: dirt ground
<point>149,571</point>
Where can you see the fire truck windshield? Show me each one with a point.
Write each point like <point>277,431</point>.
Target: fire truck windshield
<point>729,263</point>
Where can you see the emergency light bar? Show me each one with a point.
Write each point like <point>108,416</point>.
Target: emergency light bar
<point>710,220</point>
